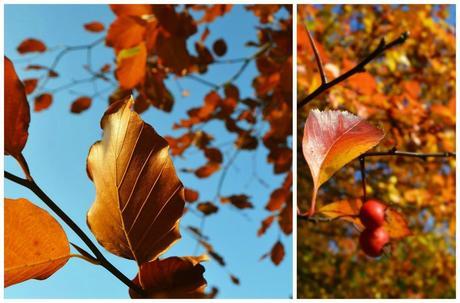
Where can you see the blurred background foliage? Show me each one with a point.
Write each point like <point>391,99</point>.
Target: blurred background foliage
<point>409,92</point>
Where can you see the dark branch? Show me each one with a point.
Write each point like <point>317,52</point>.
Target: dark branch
<point>61,214</point>
<point>394,152</point>
<point>381,48</point>
<point>362,162</point>
<point>318,58</point>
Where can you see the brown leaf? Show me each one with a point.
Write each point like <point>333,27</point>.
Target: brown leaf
<point>190,195</point>
<point>213,155</point>
<point>266,223</point>
<point>35,245</point>
<point>396,224</point>
<point>235,280</point>
<point>239,201</point>
<point>277,253</point>
<point>285,218</point>
<point>173,277</point>
<point>219,47</point>
<point>207,208</point>
<point>17,112</point>
<point>31,45</point>
<point>139,198</point>
<point>94,27</point>
<point>131,66</point>
<point>30,85</point>
<point>331,140</point>
<point>277,198</point>
<point>207,170</point>
<point>80,104</point>
<point>42,102</point>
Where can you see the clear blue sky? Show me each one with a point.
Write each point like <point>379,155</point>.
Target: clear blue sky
<point>59,141</point>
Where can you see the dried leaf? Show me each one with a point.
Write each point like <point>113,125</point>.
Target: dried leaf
<point>396,224</point>
<point>139,198</point>
<point>331,140</point>
<point>277,253</point>
<point>31,45</point>
<point>42,102</point>
<point>17,113</point>
<point>173,277</point>
<point>277,199</point>
<point>191,195</point>
<point>36,246</point>
<point>239,201</point>
<point>30,85</point>
<point>207,170</point>
<point>94,27</point>
<point>285,218</point>
<point>266,223</point>
<point>80,104</point>
<point>207,208</point>
<point>235,280</point>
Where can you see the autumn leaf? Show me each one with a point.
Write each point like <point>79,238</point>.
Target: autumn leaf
<point>30,46</point>
<point>235,279</point>
<point>42,102</point>
<point>17,115</point>
<point>207,170</point>
<point>266,223</point>
<point>30,85</point>
<point>207,208</point>
<point>139,198</point>
<point>131,66</point>
<point>190,195</point>
<point>347,210</point>
<point>125,32</point>
<point>396,224</point>
<point>35,245</point>
<point>331,140</point>
<point>173,277</point>
<point>239,201</point>
<point>94,27</point>
<point>277,253</point>
<point>131,10</point>
<point>81,104</point>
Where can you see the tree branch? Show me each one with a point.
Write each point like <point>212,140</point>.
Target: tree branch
<point>394,152</point>
<point>30,184</point>
<point>318,58</point>
<point>381,48</point>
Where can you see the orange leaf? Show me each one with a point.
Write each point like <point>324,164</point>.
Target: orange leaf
<point>396,224</point>
<point>131,66</point>
<point>266,223</point>
<point>277,198</point>
<point>131,9</point>
<point>331,140</point>
<point>173,277</point>
<point>190,195</point>
<point>277,253</point>
<point>347,210</point>
<point>17,112</point>
<point>80,104</point>
<point>125,32</point>
<point>285,218</point>
<point>139,198</point>
<point>207,170</point>
<point>30,85</point>
<point>239,201</point>
<point>31,45</point>
<point>36,246</point>
<point>94,27</point>
<point>207,208</point>
<point>42,102</point>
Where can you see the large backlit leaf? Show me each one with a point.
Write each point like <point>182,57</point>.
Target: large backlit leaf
<point>331,140</point>
<point>139,198</point>
<point>36,246</point>
<point>17,113</point>
<point>173,277</point>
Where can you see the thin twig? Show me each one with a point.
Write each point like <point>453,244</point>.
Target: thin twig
<point>381,48</point>
<point>362,162</point>
<point>317,57</point>
<point>394,152</point>
<point>30,184</point>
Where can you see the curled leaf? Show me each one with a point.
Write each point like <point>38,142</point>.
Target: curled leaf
<point>174,277</point>
<point>139,198</point>
<point>36,246</point>
<point>331,140</point>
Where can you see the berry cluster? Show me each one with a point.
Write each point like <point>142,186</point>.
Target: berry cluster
<point>373,239</point>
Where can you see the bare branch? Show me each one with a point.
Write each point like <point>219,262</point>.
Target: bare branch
<point>317,57</point>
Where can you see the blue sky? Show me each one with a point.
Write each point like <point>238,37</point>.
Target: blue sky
<point>59,141</point>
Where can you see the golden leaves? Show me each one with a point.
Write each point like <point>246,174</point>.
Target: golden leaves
<point>36,246</point>
<point>139,198</point>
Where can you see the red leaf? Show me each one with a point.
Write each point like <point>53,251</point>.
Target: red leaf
<point>31,45</point>
<point>94,27</point>
<point>266,223</point>
<point>331,140</point>
<point>30,85</point>
<point>190,195</point>
<point>239,201</point>
<point>42,102</point>
<point>80,104</point>
<point>277,253</point>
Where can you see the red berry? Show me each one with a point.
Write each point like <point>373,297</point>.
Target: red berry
<point>372,241</point>
<point>372,214</point>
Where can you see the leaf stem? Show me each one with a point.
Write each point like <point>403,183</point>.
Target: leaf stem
<point>381,48</point>
<point>30,184</point>
<point>362,163</point>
